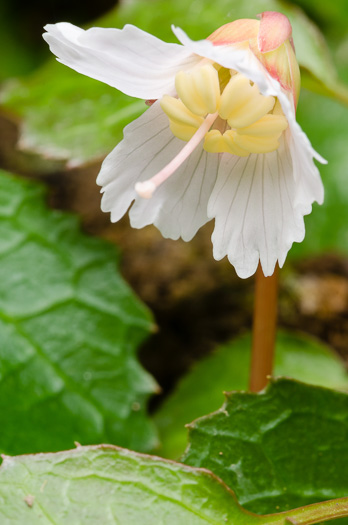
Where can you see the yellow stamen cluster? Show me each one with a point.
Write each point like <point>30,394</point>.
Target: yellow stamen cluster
<point>249,121</point>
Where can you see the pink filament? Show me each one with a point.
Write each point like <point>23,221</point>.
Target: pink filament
<point>145,189</point>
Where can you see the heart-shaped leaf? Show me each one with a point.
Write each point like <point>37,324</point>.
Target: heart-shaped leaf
<point>282,448</point>
<point>107,485</point>
<point>200,391</point>
<point>69,330</point>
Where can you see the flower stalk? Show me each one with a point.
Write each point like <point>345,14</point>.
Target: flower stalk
<point>264,329</point>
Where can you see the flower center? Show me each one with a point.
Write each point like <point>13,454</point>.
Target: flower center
<point>226,110</point>
<point>249,121</point>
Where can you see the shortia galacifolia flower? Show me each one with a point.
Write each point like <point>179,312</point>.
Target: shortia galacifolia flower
<point>220,138</point>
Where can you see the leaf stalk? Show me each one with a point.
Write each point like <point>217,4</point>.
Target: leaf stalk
<point>310,514</point>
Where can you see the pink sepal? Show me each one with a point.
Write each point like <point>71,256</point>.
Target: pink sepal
<point>235,32</point>
<point>275,29</point>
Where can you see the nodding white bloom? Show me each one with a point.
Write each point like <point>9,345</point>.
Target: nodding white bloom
<point>219,140</point>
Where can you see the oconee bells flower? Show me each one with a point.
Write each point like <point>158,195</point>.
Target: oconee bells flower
<point>220,138</point>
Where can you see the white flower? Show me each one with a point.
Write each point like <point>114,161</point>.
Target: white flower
<point>253,172</point>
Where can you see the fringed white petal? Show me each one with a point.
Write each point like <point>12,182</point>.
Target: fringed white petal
<point>258,208</point>
<point>128,59</point>
<point>127,164</point>
<point>178,207</point>
<point>259,204</point>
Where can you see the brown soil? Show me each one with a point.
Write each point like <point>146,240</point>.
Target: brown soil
<point>197,301</point>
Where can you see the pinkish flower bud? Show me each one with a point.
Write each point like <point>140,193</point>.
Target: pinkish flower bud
<point>271,42</point>
<point>237,32</point>
<point>275,29</point>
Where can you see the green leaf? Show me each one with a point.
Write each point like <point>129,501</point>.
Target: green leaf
<point>200,391</point>
<point>107,485</point>
<point>282,448</point>
<point>60,125</point>
<point>69,329</point>
<point>70,118</point>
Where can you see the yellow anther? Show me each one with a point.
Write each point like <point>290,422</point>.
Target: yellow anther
<point>256,121</point>
<point>179,113</point>
<point>214,142</point>
<point>269,125</point>
<point>235,149</point>
<point>263,135</point>
<point>256,144</point>
<point>199,89</point>
<point>181,131</point>
<point>242,104</point>
<point>277,110</point>
<point>224,77</point>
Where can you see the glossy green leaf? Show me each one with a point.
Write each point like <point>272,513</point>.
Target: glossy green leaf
<point>109,485</point>
<point>201,390</point>
<point>282,448</point>
<point>112,486</point>
<point>69,329</point>
<point>70,118</point>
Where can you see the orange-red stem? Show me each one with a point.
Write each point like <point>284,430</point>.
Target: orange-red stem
<point>264,329</point>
